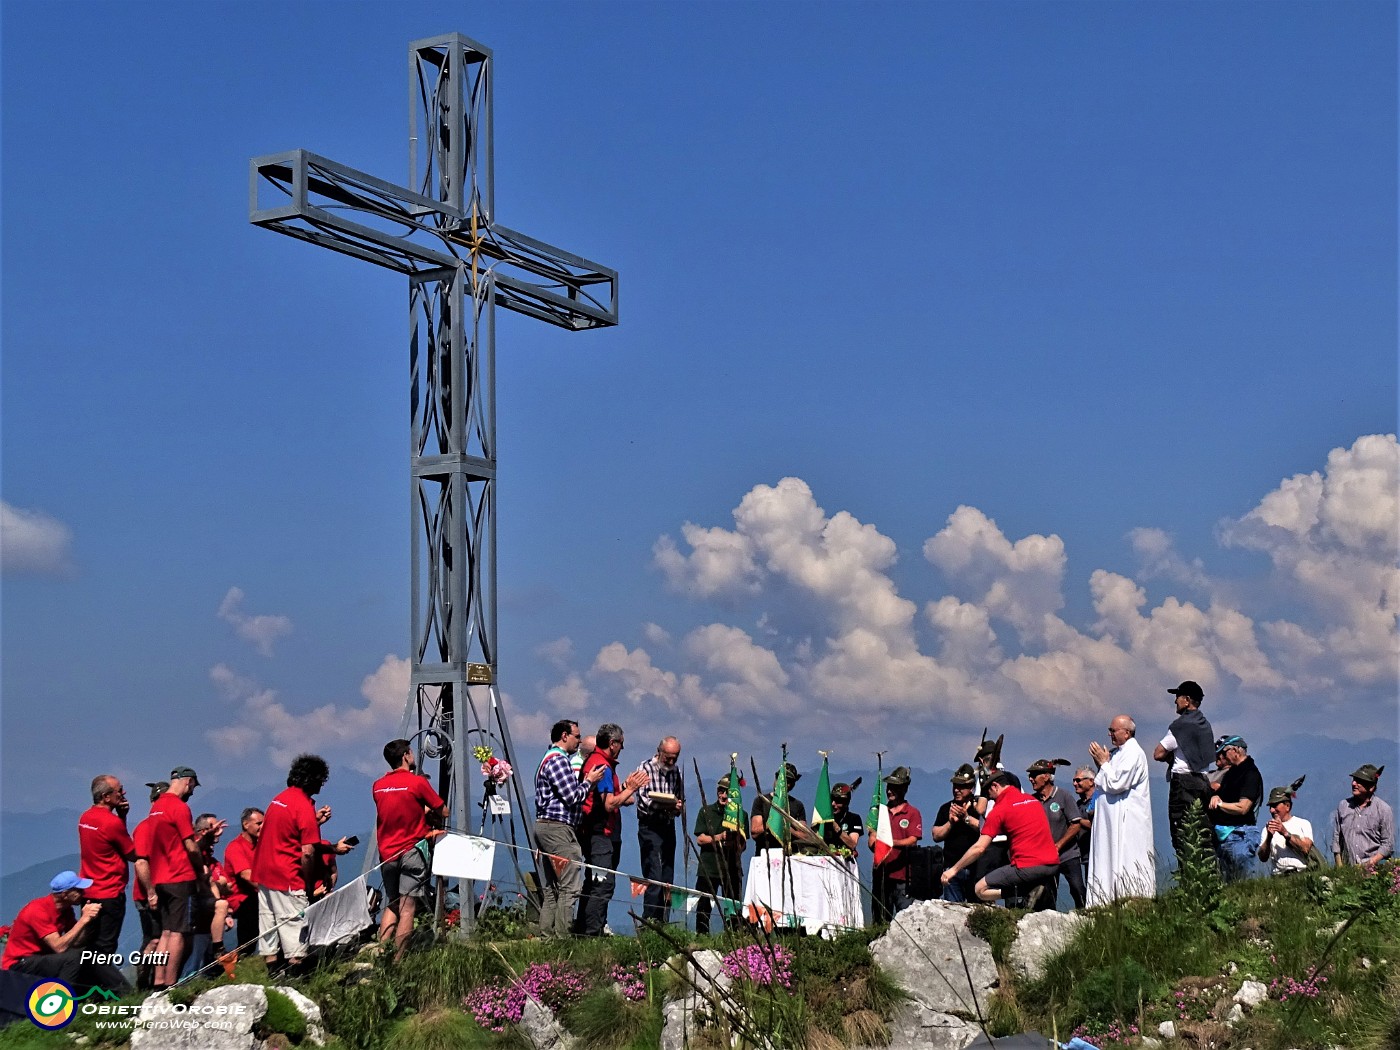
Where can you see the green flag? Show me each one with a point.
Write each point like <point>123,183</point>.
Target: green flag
<point>777,823</point>
<point>878,801</point>
<point>734,808</point>
<point>821,807</point>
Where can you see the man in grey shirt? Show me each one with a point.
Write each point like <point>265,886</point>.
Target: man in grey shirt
<point>1363,828</point>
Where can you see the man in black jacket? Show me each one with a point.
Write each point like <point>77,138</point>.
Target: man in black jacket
<point>1188,749</point>
<point>1234,808</point>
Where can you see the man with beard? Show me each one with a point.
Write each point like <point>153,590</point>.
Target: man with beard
<point>600,826</point>
<point>1363,827</point>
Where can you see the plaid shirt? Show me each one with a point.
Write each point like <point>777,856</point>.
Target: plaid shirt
<point>559,793</point>
<point>659,778</point>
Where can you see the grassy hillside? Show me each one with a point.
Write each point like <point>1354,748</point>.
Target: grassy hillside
<point>1325,945</point>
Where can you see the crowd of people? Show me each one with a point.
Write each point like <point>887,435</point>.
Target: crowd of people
<point>996,842</point>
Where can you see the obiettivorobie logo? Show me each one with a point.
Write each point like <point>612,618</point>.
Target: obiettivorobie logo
<point>52,1004</point>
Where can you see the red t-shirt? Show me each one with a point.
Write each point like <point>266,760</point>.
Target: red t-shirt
<point>596,819</point>
<point>35,921</point>
<point>104,846</point>
<point>239,857</point>
<point>143,838</point>
<point>171,817</point>
<point>1027,829</point>
<point>399,798</point>
<point>290,824</point>
<point>905,821</point>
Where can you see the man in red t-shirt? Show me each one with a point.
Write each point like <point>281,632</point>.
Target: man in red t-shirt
<point>284,861</point>
<point>143,889</point>
<point>105,849</point>
<point>177,865</point>
<point>1034,858</point>
<point>600,827</point>
<point>238,864</point>
<point>45,938</point>
<point>403,802</point>
<point>891,879</point>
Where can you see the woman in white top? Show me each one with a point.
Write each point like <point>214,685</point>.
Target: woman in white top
<point>1287,839</point>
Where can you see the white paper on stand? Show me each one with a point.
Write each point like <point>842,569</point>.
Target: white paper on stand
<point>464,857</point>
<point>499,806</point>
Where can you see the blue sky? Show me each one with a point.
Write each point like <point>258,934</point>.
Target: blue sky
<point>1073,326</point>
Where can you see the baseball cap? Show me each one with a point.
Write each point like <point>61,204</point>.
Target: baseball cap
<point>184,773</point>
<point>68,880</point>
<point>1189,689</point>
<point>1230,740</point>
<point>158,788</point>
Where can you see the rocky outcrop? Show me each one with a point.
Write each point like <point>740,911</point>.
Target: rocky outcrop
<point>542,1028</point>
<point>223,1018</point>
<point>702,979</point>
<point>948,972</point>
<point>1040,935</point>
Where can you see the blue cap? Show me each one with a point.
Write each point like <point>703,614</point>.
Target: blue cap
<point>68,880</point>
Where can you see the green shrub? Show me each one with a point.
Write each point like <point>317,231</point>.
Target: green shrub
<point>996,926</point>
<point>283,1016</point>
<point>1115,993</point>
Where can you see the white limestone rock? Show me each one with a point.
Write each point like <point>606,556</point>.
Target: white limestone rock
<point>221,1019</point>
<point>1040,935</point>
<point>921,953</point>
<point>1251,994</point>
<point>542,1028</point>
<point>315,1025</point>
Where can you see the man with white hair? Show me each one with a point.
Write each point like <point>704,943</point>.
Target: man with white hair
<point>1120,860</point>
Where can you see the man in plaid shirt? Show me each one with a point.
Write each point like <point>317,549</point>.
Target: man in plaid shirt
<point>656,826</point>
<point>559,795</point>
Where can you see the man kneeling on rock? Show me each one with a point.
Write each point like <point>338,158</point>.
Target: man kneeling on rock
<point>1034,858</point>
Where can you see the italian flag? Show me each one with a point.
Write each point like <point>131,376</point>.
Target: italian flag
<point>880,821</point>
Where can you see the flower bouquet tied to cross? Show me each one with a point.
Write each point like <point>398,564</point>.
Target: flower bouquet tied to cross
<point>496,770</point>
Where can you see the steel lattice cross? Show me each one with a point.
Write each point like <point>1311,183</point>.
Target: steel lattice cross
<point>460,264</point>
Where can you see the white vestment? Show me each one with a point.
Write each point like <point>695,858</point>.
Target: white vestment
<point>1121,858</point>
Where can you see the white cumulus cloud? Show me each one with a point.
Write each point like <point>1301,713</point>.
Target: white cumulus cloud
<point>33,543</point>
<point>352,732</point>
<point>841,646</point>
<point>261,631</point>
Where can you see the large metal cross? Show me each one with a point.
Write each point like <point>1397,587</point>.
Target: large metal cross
<point>460,264</point>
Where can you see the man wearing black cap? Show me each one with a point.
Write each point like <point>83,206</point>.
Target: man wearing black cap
<point>1187,749</point>
<point>1363,827</point>
<point>176,866</point>
<point>957,826</point>
<point>1234,808</point>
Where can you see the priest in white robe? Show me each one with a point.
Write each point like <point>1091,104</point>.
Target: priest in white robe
<point>1121,856</point>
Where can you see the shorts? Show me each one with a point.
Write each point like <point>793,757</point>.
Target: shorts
<point>176,901</point>
<point>405,876</point>
<point>282,923</point>
<point>150,923</point>
<point>1010,877</point>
